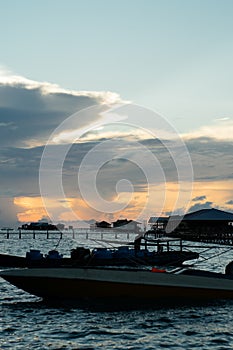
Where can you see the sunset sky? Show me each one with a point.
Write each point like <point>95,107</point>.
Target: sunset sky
<point>148,84</point>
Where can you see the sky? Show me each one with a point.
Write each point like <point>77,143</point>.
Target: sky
<point>174,58</point>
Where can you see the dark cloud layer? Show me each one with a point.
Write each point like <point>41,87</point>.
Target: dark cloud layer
<point>21,165</point>
<point>31,115</point>
<point>212,159</point>
<point>28,116</point>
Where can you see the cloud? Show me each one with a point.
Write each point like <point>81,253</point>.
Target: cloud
<point>8,212</point>
<point>198,198</point>
<point>9,79</point>
<point>31,110</point>
<point>222,119</point>
<point>221,129</point>
<point>211,158</point>
<point>199,206</point>
<point>19,169</point>
<point>229,202</point>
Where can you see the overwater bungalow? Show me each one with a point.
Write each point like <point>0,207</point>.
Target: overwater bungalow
<point>209,225</point>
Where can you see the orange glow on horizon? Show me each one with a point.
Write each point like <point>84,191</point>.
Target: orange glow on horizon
<point>32,208</point>
<point>72,209</point>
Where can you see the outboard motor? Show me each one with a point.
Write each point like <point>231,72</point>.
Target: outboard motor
<point>229,269</point>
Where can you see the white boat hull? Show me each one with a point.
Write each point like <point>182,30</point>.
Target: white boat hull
<point>76,283</point>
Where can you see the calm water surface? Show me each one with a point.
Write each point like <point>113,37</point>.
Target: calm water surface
<point>28,323</point>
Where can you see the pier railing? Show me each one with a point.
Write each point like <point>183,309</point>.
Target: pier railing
<point>85,232</point>
<point>224,238</point>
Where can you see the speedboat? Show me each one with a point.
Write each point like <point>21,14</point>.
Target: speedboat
<point>106,280</point>
<point>154,284</point>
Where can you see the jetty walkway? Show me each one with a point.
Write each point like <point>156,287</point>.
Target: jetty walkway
<point>223,238</point>
<point>216,238</point>
<point>85,232</point>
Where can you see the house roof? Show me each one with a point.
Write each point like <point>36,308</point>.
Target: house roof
<point>125,222</point>
<point>102,223</point>
<point>209,215</point>
<point>154,219</point>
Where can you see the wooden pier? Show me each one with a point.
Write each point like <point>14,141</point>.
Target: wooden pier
<point>220,238</point>
<point>87,233</point>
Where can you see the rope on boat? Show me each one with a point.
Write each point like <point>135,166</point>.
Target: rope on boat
<point>213,256</point>
<point>59,240</point>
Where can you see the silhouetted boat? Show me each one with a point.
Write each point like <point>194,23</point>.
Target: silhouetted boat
<point>76,281</point>
<point>105,283</point>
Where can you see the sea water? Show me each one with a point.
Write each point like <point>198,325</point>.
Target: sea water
<point>26,322</point>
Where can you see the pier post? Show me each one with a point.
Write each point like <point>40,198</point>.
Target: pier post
<point>34,234</point>
<point>7,233</point>
<point>73,233</point>
<point>20,234</point>
<point>60,234</point>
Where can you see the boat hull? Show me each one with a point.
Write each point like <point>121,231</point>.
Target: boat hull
<point>79,283</point>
